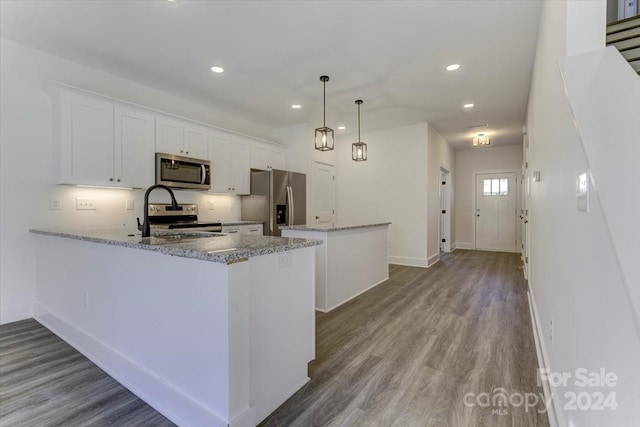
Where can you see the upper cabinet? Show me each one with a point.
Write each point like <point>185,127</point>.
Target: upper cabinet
<point>266,156</point>
<point>102,141</point>
<point>181,138</point>
<point>230,164</point>
<point>100,144</point>
<point>134,148</point>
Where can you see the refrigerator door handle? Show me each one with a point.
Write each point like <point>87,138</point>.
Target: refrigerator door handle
<point>288,205</point>
<point>293,206</point>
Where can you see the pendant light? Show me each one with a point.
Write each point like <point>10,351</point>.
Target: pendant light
<point>324,135</point>
<point>359,149</point>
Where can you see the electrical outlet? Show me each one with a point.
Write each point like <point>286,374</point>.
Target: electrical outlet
<point>284,260</point>
<point>86,204</point>
<point>54,204</point>
<point>211,206</point>
<point>130,205</point>
<point>231,205</point>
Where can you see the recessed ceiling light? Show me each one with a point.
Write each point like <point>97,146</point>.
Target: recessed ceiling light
<point>296,106</point>
<point>217,69</point>
<point>342,127</point>
<point>453,67</point>
<point>468,105</point>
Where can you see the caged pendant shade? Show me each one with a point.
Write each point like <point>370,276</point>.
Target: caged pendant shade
<point>324,136</point>
<point>359,149</point>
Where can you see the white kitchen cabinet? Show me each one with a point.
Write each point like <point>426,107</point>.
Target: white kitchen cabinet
<point>134,148</point>
<point>99,143</point>
<point>230,163</point>
<point>267,157</point>
<point>256,229</point>
<point>181,138</point>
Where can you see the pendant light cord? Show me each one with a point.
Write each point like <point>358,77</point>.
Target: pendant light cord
<point>359,140</point>
<point>324,103</point>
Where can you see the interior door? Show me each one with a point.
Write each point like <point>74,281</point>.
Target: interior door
<point>323,193</point>
<point>496,211</point>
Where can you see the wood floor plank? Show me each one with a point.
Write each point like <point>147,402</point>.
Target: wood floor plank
<point>46,382</point>
<point>408,351</point>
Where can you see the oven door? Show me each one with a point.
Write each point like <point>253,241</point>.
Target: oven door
<point>183,172</point>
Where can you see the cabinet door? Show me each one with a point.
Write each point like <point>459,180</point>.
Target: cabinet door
<point>134,148</point>
<point>276,158</point>
<point>219,156</point>
<point>169,136</point>
<point>241,168</point>
<point>196,142</point>
<point>85,140</point>
<point>259,156</point>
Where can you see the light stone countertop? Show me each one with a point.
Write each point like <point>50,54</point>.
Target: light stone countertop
<point>214,247</point>
<point>331,227</point>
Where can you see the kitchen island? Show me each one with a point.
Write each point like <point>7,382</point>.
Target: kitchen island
<point>209,329</point>
<point>351,260</point>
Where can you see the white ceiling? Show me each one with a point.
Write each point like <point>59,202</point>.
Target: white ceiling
<point>391,54</point>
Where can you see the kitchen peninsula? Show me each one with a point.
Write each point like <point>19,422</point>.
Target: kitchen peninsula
<point>352,259</point>
<point>209,329</point>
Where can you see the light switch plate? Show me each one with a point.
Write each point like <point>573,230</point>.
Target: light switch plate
<point>54,204</point>
<point>582,192</point>
<point>211,206</point>
<point>284,260</point>
<point>130,205</point>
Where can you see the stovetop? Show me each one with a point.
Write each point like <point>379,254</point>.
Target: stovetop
<point>162,215</point>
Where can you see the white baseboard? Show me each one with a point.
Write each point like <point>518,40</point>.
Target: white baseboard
<point>140,381</point>
<point>453,247</point>
<point>14,313</point>
<point>410,262</point>
<point>246,418</point>
<point>432,260</point>
<point>543,361</point>
<point>465,245</point>
<point>347,300</point>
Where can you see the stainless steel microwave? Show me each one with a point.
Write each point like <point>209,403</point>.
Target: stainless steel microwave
<point>183,172</point>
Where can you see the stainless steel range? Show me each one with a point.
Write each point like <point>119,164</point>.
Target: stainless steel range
<point>163,217</point>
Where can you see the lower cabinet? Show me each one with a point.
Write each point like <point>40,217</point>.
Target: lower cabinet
<point>243,229</point>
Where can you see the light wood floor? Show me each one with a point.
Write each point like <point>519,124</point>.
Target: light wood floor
<point>407,352</point>
<point>402,354</point>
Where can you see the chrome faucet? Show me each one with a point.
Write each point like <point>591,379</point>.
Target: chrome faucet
<point>146,229</point>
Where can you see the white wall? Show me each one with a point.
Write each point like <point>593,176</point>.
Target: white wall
<point>468,163</point>
<point>390,186</point>
<point>301,156</point>
<point>440,155</point>
<point>26,160</point>
<point>574,275</point>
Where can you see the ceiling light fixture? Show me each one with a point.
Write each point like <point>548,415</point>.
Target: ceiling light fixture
<point>296,106</point>
<point>217,69</point>
<point>359,149</point>
<point>481,140</point>
<point>453,67</point>
<point>468,105</point>
<point>324,136</point>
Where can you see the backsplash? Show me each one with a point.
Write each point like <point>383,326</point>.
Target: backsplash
<point>111,206</point>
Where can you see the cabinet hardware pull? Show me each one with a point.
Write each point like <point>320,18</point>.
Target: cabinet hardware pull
<point>111,179</point>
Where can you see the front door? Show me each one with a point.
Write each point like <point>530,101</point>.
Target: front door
<point>496,211</point>
<point>323,193</point>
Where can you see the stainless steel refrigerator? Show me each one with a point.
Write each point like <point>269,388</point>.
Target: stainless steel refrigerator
<point>277,198</point>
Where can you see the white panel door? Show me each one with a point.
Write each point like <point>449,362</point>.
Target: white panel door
<point>241,168</point>
<point>220,158</point>
<point>196,143</point>
<point>134,148</point>
<point>169,136</point>
<point>496,211</point>
<point>86,127</point>
<point>323,193</point>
